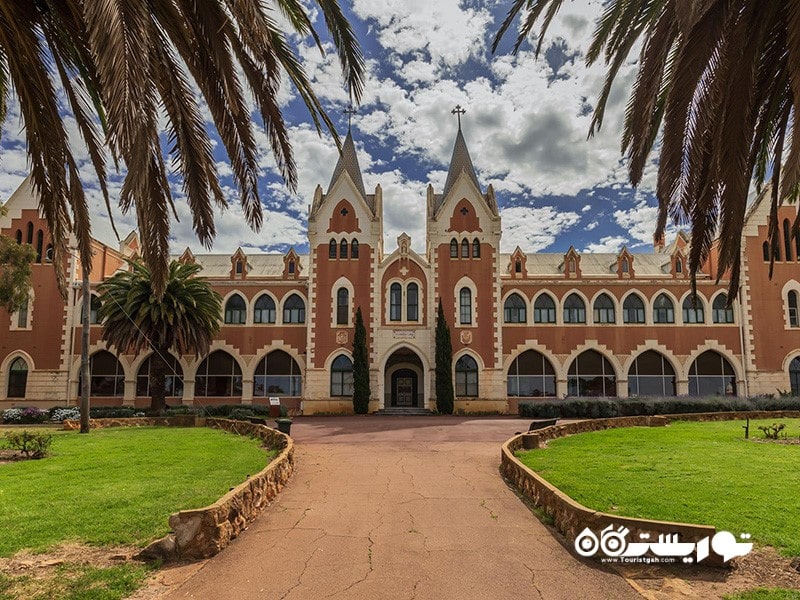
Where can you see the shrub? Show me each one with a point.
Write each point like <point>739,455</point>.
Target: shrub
<point>241,414</point>
<point>30,443</point>
<point>771,432</point>
<point>12,415</point>
<point>32,415</point>
<point>224,410</point>
<point>59,415</point>
<point>112,412</point>
<point>181,409</point>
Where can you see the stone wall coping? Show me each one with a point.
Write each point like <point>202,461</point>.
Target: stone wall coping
<point>569,516</point>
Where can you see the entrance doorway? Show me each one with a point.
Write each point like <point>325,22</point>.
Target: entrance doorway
<point>403,383</point>
<point>404,388</point>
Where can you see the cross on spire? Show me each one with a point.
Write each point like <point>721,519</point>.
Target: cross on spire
<point>458,111</point>
<point>349,111</point>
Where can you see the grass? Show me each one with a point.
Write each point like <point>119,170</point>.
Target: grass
<point>766,594</point>
<point>690,472</point>
<point>118,486</point>
<point>76,582</point>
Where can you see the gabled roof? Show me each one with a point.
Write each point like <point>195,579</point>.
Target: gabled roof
<point>460,161</point>
<point>348,162</point>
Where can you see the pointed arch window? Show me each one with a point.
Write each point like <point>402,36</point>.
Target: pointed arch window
<point>514,310</point>
<point>17,378</point>
<point>633,309</point>
<point>264,310</point>
<point>663,310</point>
<point>354,249</point>
<point>544,309</point>
<point>765,251</point>
<point>518,266</point>
<point>94,310</point>
<point>466,377</point>
<point>453,248</point>
<point>19,236</point>
<point>625,265</point>
<point>794,376</point>
<point>412,302</point>
<point>651,374</point>
<point>342,376</point>
<point>574,309</point>
<point>39,245</point>
<point>332,245</point>
<point>235,311</point>
<point>720,312</point>
<point>465,306</point>
<point>678,265</point>
<point>531,375</point>
<point>291,267</point>
<point>218,375</point>
<point>787,239</point>
<point>464,248</point>
<point>395,302</point>
<point>278,374</point>
<point>22,314</point>
<point>294,310</point>
<point>343,249</point>
<point>590,374</point>
<point>29,237</point>
<point>106,375</point>
<point>604,312</point>
<point>239,267</point>
<point>173,380</point>
<point>693,310</point>
<point>711,375</point>
<point>342,306</point>
<point>794,317</point>
<point>476,248</point>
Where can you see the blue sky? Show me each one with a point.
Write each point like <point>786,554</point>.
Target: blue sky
<point>526,126</point>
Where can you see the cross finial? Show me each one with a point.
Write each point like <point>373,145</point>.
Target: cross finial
<point>349,111</point>
<point>458,111</point>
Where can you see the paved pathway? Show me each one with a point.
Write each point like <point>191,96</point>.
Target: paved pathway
<point>399,507</point>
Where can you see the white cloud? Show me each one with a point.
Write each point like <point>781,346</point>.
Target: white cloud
<point>639,221</point>
<point>607,244</point>
<point>533,229</point>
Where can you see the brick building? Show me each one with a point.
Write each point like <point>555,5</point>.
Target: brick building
<point>523,325</point>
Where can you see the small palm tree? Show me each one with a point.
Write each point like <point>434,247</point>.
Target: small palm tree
<point>720,80</point>
<point>134,319</point>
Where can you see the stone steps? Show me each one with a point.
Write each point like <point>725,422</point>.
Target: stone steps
<point>404,411</point>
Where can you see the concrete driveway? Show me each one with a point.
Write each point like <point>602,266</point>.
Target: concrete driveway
<point>399,507</point>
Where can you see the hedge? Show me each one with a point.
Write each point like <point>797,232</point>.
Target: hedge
<point>593,408</point>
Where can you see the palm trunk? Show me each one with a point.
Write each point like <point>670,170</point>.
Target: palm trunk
<point>158,370</point>
<point>86,382</point>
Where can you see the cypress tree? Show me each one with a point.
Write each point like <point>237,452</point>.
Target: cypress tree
<point>361,391</point>
<point>444,362</point>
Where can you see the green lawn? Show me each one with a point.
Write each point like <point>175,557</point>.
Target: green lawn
<point>766,594</point>
<point>118,486</point>
<point>692,472</point>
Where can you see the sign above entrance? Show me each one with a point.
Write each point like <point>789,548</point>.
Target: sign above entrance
<point>404,334</point>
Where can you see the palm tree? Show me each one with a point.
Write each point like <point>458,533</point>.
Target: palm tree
<point>122,67</point>
<point>185,319</point>
<point>721,80</point>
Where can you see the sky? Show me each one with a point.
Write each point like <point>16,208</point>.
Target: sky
<point>526,126</point>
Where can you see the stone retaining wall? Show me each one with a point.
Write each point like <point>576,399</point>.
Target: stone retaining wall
<point>203,532</point>
<point>571,517</point>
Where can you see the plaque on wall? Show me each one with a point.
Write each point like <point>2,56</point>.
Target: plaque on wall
<point>404,334</point>
<point>341,337</point>
<point>466,337</point>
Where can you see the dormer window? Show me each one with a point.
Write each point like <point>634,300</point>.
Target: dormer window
<point>291,267</point>
<point>678,265</point>
<point>518,266</point>
<point>571,265</point>
<point>238,267</point>
<point>625,265</point>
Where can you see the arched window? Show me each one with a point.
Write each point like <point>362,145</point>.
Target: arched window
<point>590,374</point>
<point>544,309</point>
<point>332,249</point>
<point>720,312</point>
<point>531,375</point>
<point>412,302</point>
<point>342,306</point>
<point>464,248</point>
<point>48,253</point>
<point>94,308</point>
<point>354,249</point>
<point>777,251</point>
<point>574,309</point>
<point>173,381</point>
<point>264,310</point>
<point>342,376</point>
<point>235,311</point>
<point>476,248</point>
<point>633,309</point>
<point>797,247</point>
<point>625,266</point>
<point>239,267</point>
<point>29,237</point>
<point>291,267</point>
<point>514,310</point>
<point>787,239</point>
<point>465,306</point>
<point>39,245</point>
<point>604,310</point>
<point>19,236</point>
<point>765,251</point>
<point>518,266</point>
<point>395,302</point>
<point>466,377</point>
<point>22,314</point>
<point>651,374</point>
<point>794,316</point>
<point>453,248</point>
<point>106,375</point>
<point>711,375</point>
<point>572,265</point>
<point>794,376</point>
<point>277,375</point>
<point>343,249</point>
<point>663,310</point>
<point>294,310</point>
<point>17,378</point>
<point>678,265</point>
<point>218,375</point>
<point>693,310</point>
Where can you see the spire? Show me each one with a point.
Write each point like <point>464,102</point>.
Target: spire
<point>460,161</point>
<point>348,162</point>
